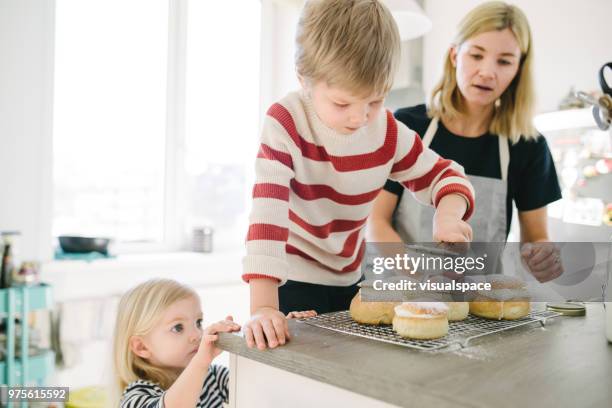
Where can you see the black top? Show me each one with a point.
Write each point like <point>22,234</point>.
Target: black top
<point>532,179</point>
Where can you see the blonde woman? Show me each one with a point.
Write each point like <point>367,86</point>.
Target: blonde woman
<point>480,115</point>
<point>161,353</point>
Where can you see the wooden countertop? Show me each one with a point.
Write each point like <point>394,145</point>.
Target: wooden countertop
<point>567,363</point>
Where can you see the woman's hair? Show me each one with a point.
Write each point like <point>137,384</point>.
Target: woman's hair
<point>353,44</point>
<point>514,110</point>
<point>139,311</point>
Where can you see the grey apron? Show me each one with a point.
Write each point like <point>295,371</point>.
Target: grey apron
<point>414,221</point>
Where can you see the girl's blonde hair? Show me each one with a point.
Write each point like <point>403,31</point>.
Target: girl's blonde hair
<point>353,44</point>
<point>514,110</point>
<point>139,311</point>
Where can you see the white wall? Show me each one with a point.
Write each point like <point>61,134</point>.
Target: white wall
<point>26,93</point>
<point>571,40</point>
<point>278,77</point>
<point>279,20</point>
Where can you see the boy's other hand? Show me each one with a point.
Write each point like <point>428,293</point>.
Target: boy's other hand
<point>266,328</point>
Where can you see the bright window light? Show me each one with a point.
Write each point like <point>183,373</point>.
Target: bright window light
<point>109,118</point>
<point>222,112</point>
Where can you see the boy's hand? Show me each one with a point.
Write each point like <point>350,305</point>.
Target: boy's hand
<point>449,228</point>
<point>207,350</point>
<point>301,315</point>
<point>266,323</point>
<point>448,225</point>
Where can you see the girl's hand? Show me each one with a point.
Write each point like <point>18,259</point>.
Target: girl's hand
<point>207,350</point>
<point>301,315</point>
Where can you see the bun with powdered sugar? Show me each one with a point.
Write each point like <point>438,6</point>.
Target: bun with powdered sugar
<point>508,299</point>
<point>421,320</point>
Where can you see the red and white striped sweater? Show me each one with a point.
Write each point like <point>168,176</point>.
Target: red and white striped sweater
<point>315,188</point>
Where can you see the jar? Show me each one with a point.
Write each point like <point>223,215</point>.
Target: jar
<point>202,239</point>
<point>26,274</point>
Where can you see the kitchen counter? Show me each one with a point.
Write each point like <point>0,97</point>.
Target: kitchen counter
<point>568,362</point>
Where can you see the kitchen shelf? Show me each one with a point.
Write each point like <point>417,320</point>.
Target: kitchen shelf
<point>16,302</point>
<point>38,297</point>
<point>38,367</point>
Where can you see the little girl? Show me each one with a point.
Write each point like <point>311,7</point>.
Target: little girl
<point>162,355</point>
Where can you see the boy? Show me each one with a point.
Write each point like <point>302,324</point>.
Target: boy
<point>325,154</point>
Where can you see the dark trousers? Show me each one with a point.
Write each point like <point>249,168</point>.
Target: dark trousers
<point>299,296</point>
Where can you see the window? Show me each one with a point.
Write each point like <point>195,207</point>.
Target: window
<point>222,113</point>
<point>109,118</point>
<point>156,118</point>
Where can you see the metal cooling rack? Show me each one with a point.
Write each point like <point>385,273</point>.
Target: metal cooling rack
<point>461,332</point>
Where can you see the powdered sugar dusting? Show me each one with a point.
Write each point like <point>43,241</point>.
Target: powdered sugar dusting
<point>505,294</point>
<point>430,309</point>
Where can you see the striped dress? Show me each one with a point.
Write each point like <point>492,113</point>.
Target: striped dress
<point>145,394</point>
<point>314,190</point>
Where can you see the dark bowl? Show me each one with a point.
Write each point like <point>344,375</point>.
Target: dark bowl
<point>83,245</point>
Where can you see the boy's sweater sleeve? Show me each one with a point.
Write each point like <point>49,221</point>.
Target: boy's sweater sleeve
<point>426,174</point>
<point>269,218</point>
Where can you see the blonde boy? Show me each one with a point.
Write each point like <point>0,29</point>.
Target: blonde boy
<point>325,153</point>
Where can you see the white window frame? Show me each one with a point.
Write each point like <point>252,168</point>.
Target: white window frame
<point>174,197</point>
<point>175,236</point>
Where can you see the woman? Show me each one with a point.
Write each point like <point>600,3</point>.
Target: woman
<point>480,115</point>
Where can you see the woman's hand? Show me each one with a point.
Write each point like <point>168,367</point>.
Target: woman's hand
<point>208,350</point>
<point>543,260</point>
<point>540,257</point>
<point>268,324</point>
<point>301,315</point>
